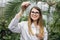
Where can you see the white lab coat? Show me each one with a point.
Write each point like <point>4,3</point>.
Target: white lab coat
<point>22,28</point>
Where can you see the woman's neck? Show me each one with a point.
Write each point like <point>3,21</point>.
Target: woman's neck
<point>35,23</point>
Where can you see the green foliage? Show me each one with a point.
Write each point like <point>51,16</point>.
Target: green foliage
<point>58,6</point>
<point>5,33</point>
<point>11,9</point>
<point>55,25</point>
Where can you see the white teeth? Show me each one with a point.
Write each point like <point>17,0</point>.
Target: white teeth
<point>34,16</point>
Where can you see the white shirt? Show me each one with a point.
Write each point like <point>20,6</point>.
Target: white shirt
<point>22,28</point>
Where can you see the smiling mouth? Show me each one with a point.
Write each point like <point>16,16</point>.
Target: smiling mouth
<point>34,16</point>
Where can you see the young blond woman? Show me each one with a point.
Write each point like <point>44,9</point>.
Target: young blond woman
<point>32,29</point>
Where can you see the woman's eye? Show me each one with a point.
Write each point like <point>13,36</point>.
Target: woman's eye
<point>37,12</point>
<point>32,12</point>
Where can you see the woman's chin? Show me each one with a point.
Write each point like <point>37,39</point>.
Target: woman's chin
<point>34,19</point>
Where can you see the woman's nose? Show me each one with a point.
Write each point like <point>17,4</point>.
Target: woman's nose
<point>34,14</point>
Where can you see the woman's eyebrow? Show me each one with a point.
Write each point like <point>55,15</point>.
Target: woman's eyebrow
<point>35,11</point>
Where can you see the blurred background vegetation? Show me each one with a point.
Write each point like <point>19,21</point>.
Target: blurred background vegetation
<point>13,7</point>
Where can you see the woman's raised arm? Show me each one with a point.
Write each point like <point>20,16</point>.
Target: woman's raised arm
<point>14,25</point>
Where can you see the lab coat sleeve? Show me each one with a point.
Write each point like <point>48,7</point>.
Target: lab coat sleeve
<point>14,25</point>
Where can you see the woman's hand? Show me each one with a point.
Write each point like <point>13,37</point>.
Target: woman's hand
<point>24,5</point>
<point>39,36</point>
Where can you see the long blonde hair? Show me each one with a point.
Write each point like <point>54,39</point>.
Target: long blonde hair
<point>39,22</point>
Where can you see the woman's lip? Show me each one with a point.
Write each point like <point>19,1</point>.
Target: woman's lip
<point>34,16</point>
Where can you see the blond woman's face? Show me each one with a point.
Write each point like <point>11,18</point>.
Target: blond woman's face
<point>34,14</point>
